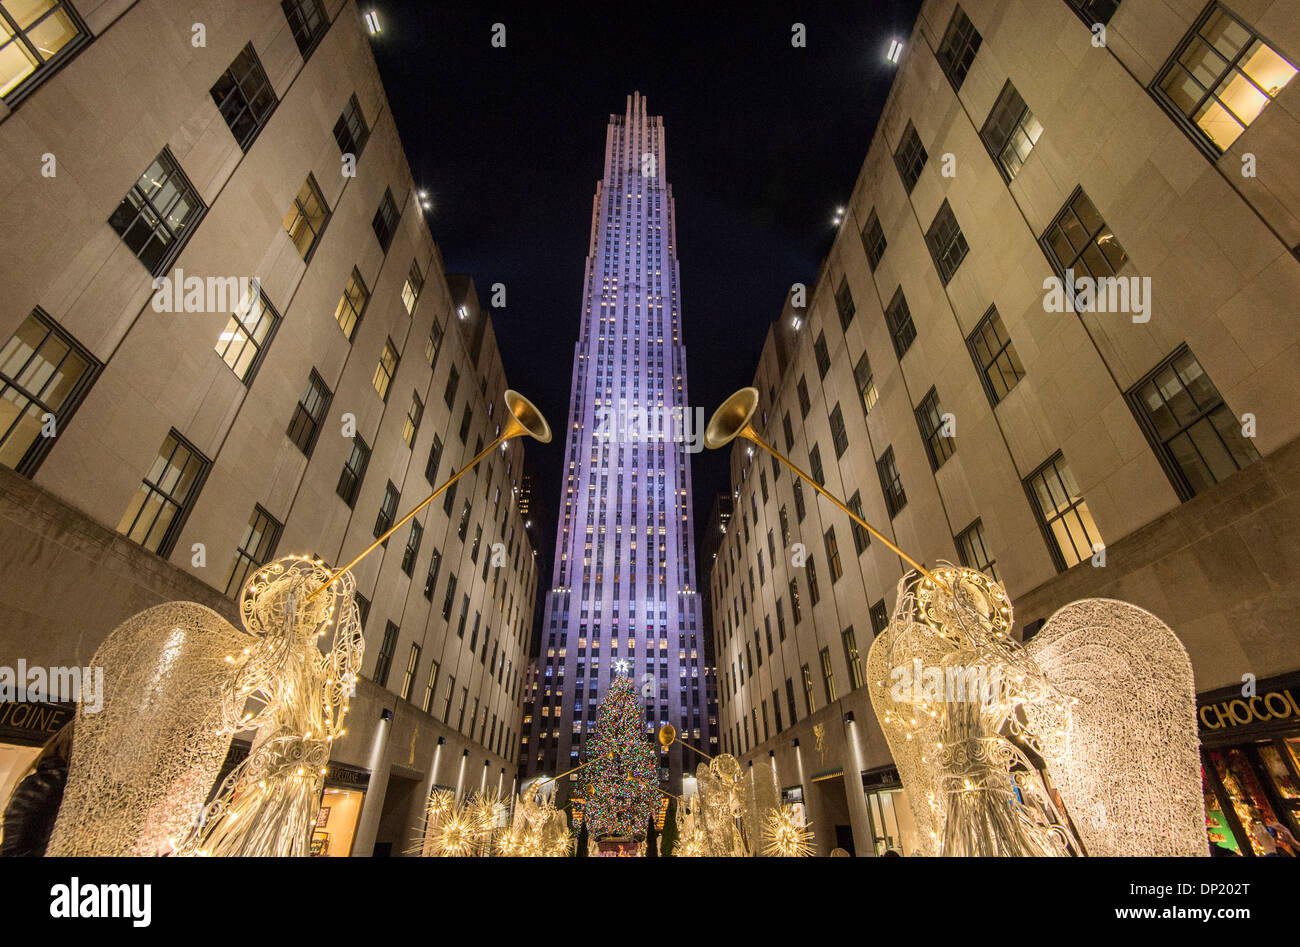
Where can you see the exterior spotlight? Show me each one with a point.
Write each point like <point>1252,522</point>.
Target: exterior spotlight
<point>385,714</point>
<point>795,743</point>
<point>372,23</point>
<point>895,51</point>
<point>442,741</point>
<point>465,754</point>
<point>771,754</point>
<point>848,717</point>
<point>798,323</point>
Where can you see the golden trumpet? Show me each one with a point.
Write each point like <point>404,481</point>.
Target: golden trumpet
<point>525,419</point>
<point>734,419</point>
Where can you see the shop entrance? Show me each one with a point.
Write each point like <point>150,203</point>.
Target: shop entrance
<point>832,812</point>
<point>892,827</point>
<point>395,829</point>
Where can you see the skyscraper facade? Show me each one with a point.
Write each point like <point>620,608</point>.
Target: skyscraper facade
<point>623,600</point>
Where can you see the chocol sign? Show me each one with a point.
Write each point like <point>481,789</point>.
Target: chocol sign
<point>1273,706</point>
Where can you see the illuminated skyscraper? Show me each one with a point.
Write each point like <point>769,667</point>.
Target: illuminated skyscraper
<point>623,599</point>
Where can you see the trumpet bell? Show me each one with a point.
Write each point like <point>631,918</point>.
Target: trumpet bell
<point>731,419</point>
<point>526,418</point>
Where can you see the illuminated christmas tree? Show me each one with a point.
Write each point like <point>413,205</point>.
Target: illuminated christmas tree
<point>622,782</point>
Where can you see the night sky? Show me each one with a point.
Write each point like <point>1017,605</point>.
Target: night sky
<point>763,142</point>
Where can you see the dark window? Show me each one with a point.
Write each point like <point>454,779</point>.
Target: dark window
<point>244,97</point>
<point>449,598</point>
<point>307,218</point>
<point>307,22</point>
<point>351,131</point>
<point>464,520</point>
<point>961,41</point>
<point>412,547</point>
<point>1220,78</point>
<point>435,459</point>
<point>1010,132</point>
<point>873,240</point>
<point>1197,439</point>
<point>165,497</point>
<point>1094,11</point>
<point>839,435</point>
<point>814,591</point>
<point>353,304</point>
<point>946,242</point>
<point>466,418</point>
<point>387,510</point>
<point>861,538</point>
<point>310,413</point>
<point>804,403</point>
<point>386,218</point>
<point>891,483</point>
<point>354,468</point>
<point>776,710</point>
<point>815,465</point>
<point>255,549</point>
<point>431,578</point>
<point>929,418</point>
<point>384,663</point>
<point>995,357</point>
<point>449,393</point>
<point>845,307</point>
<point>158,214</point>
<point>972,547</point>
<point>910,157</point>
<point>449,499</point>
<point>43,371</point>
<point>1078,241</point>
<point>879,617</point>
<point>35,39</point>
<point>248,334</point>
<point>899,319</point>
<point>1062,512</point>
<point>789,697</point>
<point>822,355</point>
<point>363,608</point>
<point>796,613</point>
<point>833,555</point>
<point>800,511</point>
<point>789,432</point>
<point>866,383</point>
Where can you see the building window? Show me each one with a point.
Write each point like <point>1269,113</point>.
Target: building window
<point>430,687</point>
<point>466,419</point>
<point>879,617</point>
<point>411,288</point>
<point>861,538</point>
<point>1078,242</point>
<point>891,483</point>
<point>800,511</point>
<point>448,598</point>
<point>838,432</point>
<point>386,218</point>
<point>248,335</point>
<point>973,548</point>
<point>845,307</point>
<point>363,608</point>
<point>354,469</point>
<point>309,414</point>
<point>822,355</point>
<point>449,393</point>
<point>929,418</point>
<point>961,41</point>
<point>386,369</point>
<point>435,460</point>
<point>307,218</point>
<point>412,664</point>
<point>158,214</point>
<point>828,676</point>
<point>796,613</point>
<point>1062,513</point>
<point>866,383</point>
<point>307,22</point>
<point>808,689</point>
<point>899,319</point>
<point>255,549</point>
<point>995,357</point>
<point>35,39</point>
<point>1093,12</point>
<point>789,696</point>
<point>910,157</point>
<point>412,424</point>
<point>788,429</point>
<point>431,577</point>
<point>1220,78</point>
<point>432,344</point>
<point>244,97</point>
<point>815,465</point>
<point>946,242</point>
<point>873,240</point>
<point>833,555</point>
<point>384,663</point>
<point>412,547</point>
<point>351,131</point>
<point>44,375</point>
<point>805,404</point>
<point>1010,132</point>
<point>353,304</point>
<point>1197,439</point>
<point>165,496</point>
<point>387,510</point>
<point>852,659</point>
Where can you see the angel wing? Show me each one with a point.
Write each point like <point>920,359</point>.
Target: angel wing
<point>142,766</point>
<point>1126,760</point>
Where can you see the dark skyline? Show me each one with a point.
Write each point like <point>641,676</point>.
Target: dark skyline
<point>764,141</point>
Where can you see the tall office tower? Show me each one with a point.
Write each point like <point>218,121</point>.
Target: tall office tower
<point>623,600</point>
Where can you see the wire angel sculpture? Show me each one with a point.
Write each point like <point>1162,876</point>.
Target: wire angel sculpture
<point>1040,749</point>
<point>728,814</point>
<point>141,768</point>
<point>269,802</point>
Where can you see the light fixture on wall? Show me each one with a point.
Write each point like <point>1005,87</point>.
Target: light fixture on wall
<point>895,52</point>
<point>386,714</point>
<point>372,22</point>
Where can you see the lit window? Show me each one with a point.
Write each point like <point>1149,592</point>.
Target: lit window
<point>386,369</point>
<point>995,356</point>
<point>1010,132</point>
<point>165,496</point>
<point>255,549</point>
<point>929,418</point>
<point>35,37</point>
<point>244,341</point>
<point>307,217</point>
<point>973,549</point>
<point>353,304</point>
<point>1062,513</point>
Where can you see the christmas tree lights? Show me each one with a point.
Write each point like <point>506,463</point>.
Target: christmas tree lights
<point>622,785</point>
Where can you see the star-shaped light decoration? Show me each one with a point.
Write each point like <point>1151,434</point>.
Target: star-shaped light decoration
<point>622,666</point>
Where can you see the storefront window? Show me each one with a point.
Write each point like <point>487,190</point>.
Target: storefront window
<point>336,824</point>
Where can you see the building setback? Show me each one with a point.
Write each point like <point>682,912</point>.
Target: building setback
<point>623,599</point>
<point>1147,454</point>
<point>191,446</point>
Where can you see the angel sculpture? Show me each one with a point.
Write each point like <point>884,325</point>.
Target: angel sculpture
<point>727,816</point>
<point>1039,749</point>
<point>269,802</point>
